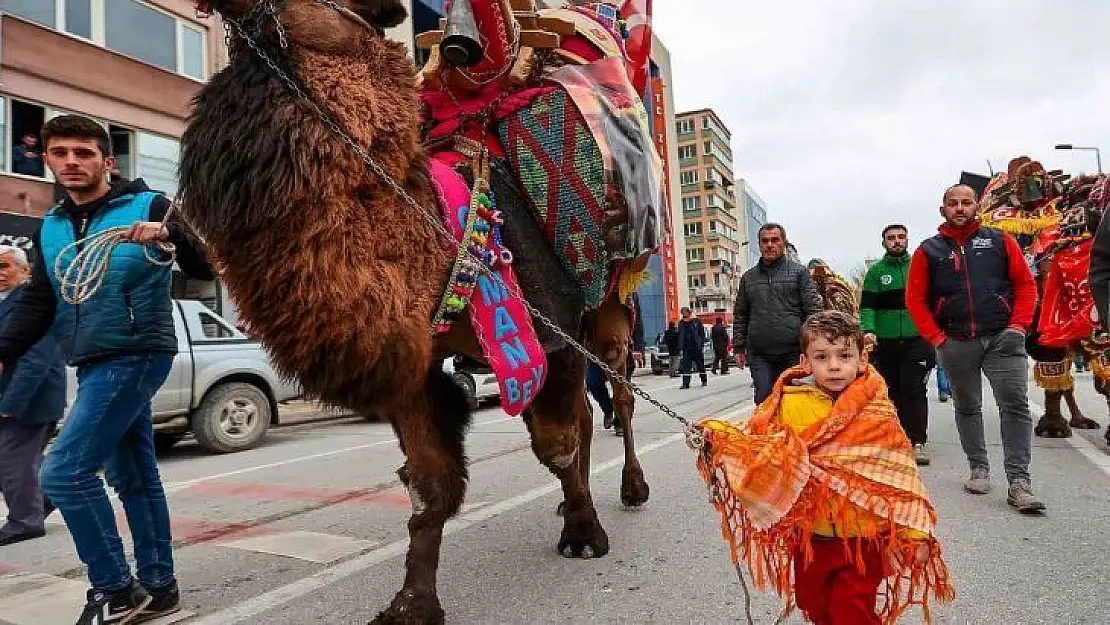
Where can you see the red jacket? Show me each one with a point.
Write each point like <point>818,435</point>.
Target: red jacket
<point>917,285</point>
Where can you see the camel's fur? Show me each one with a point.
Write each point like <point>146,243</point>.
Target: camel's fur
<point>339,277</point>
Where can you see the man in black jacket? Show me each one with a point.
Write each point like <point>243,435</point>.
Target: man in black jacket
<point>719,336</point>
<point>691,338</point>
<point>670,341</point>
<point>775,298</point>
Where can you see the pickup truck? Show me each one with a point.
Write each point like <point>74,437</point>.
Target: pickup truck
<point>221,388</point>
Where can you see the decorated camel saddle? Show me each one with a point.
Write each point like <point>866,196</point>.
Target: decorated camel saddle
<point>836,292</point>
<point>543,98</point>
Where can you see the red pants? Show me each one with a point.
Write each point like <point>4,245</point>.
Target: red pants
<point>830,591</point>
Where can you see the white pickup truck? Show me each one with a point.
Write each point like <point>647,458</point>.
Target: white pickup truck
<point>221,388</point>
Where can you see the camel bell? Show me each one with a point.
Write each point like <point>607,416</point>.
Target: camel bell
<point>460,46</point>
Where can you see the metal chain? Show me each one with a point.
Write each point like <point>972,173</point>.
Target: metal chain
<point>437,224</point>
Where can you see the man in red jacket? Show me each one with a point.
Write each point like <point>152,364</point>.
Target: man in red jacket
<point>970,293</point>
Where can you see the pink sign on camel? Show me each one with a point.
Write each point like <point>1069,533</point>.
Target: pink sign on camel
<point>500,320</point>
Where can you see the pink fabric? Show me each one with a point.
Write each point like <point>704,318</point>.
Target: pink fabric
<point>502,324</point>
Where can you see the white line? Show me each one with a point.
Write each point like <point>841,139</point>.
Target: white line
<point>179,486</point>
<point>1082,445</point>
<point>295,590</point>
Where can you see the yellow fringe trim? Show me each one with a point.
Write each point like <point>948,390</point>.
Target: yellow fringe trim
<point>629,281</point>
<point>1047,376</point>
<point>1022,225</point>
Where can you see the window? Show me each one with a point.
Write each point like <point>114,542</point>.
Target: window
<point>713,225</point>
<point>706,122</point>
<point>688,177</point>
<point>687,151</point>
<point>123,143</point>
<point>39,11</point>
<point>192,52</point>
<point>78,18</point>
<point>692,229</point>
<point>691,203</point>
<point>685,126</point>
<point>141,32</point>
<point>695,255</point>
<point>157,164</point>
<point>26,121</point>
<point>708,148</point>
<point>696,282</point>
<point>213,329</point>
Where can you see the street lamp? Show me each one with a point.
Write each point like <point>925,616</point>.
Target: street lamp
<point>1098,155</point>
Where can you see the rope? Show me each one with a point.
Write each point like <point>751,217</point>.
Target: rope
<point>85,274</point>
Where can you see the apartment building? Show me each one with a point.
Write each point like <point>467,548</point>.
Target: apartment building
<point>714,226</point>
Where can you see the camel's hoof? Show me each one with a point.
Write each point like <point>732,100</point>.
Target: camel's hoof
<point>634,489</point>
<point>1052,427</point>
<point>1083,423</point>
<point>583,536</point>
<point>412,608</point>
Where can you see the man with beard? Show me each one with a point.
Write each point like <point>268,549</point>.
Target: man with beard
<point>774,300</point>
<point>902,357</point>
<point>122,341</point>
<point>971,295</point>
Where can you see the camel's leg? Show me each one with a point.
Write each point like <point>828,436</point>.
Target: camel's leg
<point>1104,389</point>
<point>610,329</point>
<point>1078,419</point>
<point>1052,424</point>
<point>561,426</point>
<point>430,430</point>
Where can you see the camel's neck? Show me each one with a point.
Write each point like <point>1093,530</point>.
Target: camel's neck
<point>373,98</point>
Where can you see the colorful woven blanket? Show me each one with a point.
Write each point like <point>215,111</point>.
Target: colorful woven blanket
<point>771,486</point>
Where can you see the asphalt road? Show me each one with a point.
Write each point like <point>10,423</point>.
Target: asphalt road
<point>310,527</point>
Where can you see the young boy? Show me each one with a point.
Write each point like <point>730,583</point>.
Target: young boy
<point>820,491</point>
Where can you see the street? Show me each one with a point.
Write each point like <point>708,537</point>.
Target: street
<point>310,527</point>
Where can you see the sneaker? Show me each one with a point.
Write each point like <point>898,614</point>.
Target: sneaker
<point>980,482</point>
<point>1021,497</point>
<point>120,607</point>
<point>164,600</point>
<point>607,421</point>
<point>921,455</point>
<point>943,398</point>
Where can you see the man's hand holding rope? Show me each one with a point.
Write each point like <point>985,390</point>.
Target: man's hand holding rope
<point>147,232</point>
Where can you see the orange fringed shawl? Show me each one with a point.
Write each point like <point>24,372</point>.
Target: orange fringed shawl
<point>770,484</point>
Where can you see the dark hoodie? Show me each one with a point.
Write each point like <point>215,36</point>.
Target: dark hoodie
<point>34,313</point>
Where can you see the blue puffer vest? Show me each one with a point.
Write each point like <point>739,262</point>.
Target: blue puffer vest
<point>132,312</point>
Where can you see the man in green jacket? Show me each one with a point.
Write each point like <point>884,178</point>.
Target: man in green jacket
<point>902,357</point>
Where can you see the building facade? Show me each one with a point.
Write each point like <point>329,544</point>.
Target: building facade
<point>754,211</point>
<point>714,227</point>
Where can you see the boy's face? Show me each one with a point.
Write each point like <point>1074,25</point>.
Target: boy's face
<point>833,365</point>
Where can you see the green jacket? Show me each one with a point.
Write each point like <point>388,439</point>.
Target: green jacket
<point>883,305</point>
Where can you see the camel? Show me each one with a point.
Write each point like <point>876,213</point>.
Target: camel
<point>1051,218</point>
<point>340,273</point>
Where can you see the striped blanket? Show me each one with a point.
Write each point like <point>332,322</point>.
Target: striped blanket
<point>771,486</point>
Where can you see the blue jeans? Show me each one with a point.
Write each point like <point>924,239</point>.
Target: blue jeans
<point>766,370</point>
<point>595,382</point>
<point>110,428</point>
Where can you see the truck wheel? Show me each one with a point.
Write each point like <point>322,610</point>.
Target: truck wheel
<point>232,417</point>
<point>469,387</point>
<point>163,441</point>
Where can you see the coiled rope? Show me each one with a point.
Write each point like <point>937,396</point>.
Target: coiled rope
<point>84,275</point>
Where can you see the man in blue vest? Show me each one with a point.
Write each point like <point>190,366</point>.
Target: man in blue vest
<point>122,341</point>
<point>32,399</point>
<point>971,295</point>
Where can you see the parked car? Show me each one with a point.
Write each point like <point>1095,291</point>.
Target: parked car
<point>221,387</point>
<point>476,379</point>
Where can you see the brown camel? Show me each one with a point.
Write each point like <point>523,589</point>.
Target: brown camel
<point>339,276</point>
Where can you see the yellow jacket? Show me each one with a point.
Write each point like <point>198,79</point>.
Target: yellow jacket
<point>802,406</point>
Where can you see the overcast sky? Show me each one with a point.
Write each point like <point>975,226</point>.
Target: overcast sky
<point>849,115</point>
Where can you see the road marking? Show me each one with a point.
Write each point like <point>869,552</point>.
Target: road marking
<point>309,546</point>
<point>1082,445</point>
<point>266,602</point>
<point>317,495</point>
<point>178,486</point>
